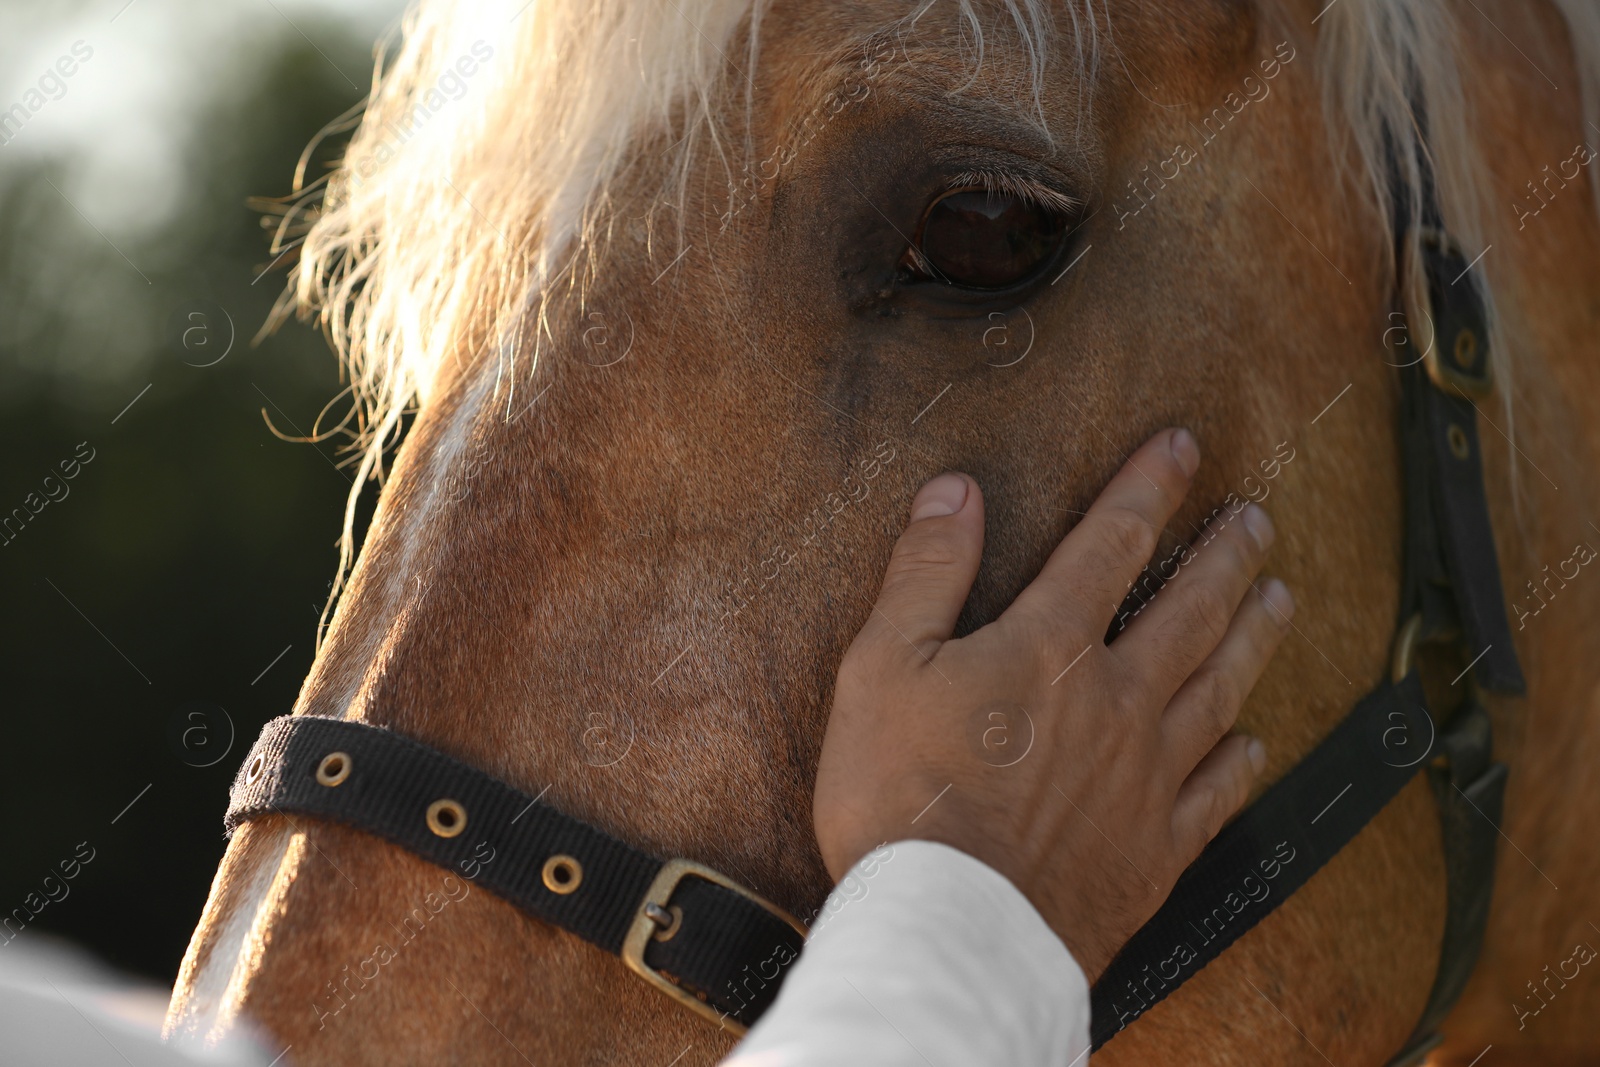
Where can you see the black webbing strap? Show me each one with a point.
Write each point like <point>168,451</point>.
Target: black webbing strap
<point>1452,585</point>
<point>728,950</point>
<point>1452,573</point>
<point>1270,851</point>
<point>1469,788</point>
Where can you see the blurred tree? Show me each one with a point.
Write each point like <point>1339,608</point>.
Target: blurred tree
<point>174,586</point>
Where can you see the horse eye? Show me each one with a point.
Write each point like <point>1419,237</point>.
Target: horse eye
<point>984,240</point>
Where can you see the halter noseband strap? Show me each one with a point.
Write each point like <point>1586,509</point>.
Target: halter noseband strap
<point>697,936</point>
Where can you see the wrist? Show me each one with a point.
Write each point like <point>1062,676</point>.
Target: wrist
<point>1074,922</point>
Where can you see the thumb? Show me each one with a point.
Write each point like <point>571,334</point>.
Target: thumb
<point>933,565</point>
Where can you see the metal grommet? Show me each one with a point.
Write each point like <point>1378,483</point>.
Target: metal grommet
<point>1466,350</point>
<point>334,768</point>
<point>562,874</point>
<point>1459,446</point>
<point>669,919</point>
<point>253,771</point>
<point>447,817</point>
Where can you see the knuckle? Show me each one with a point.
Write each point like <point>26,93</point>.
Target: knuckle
<point>1027,644</point>
<point>1210,611</point>
<point>1219,698</point>
<point>1129,535</point>
<point>923,554</point>
<point>1037,648</point>
<point>1129,703</point>
<point>1219,806</point>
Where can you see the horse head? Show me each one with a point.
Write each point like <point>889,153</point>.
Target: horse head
<point>688,300</point>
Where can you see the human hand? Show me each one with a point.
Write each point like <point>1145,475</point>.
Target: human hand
<point>1129,773</point>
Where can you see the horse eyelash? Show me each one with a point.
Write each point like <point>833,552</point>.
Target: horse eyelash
<point>997,183</point>
<point>1029,191</point>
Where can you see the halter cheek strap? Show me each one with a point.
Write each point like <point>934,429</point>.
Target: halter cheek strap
<point>694,934</point>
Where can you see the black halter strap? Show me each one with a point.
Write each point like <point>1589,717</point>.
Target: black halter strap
<point>722,951</point>
<point>692,933</point>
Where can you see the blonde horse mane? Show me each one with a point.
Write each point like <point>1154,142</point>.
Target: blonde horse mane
<point>481,167</point>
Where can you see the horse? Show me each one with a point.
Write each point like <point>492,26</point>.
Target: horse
<point>675,305</point>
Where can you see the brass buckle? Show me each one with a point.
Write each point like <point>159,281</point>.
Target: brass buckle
<point>1407,639</point>
<point>644,927</point>
<point>1444,358</point>
<point>1404,655</point>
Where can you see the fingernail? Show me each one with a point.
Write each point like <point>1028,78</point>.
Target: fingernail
<point>1277,594</point>
<point>1185,451</point>
<point>945,495</point>
<point>1258,754</point>
<point>1259,526</point>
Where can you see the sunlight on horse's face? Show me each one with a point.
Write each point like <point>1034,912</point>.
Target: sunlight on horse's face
<point>631,577</point>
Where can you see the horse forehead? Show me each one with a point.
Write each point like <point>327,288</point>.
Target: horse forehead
<point>811,52</point>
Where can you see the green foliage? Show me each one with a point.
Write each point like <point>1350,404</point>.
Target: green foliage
<point>194,547</point>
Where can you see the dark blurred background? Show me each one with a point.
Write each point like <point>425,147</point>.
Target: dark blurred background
<point>162,603</point>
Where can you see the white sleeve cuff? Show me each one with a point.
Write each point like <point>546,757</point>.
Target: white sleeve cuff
<point>926,956</point>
